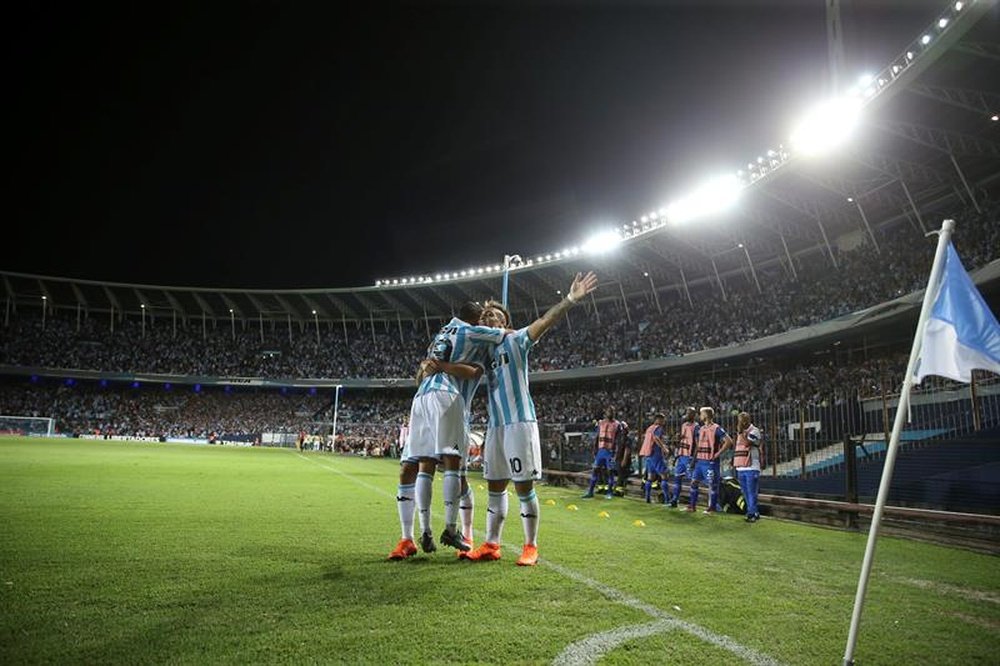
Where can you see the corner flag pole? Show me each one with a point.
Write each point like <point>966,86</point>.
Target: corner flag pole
<point>890,457</point>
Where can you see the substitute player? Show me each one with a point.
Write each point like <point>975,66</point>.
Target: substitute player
<point>747,461</point>
<point>439,429</point>
<point>712,441</point>
<point>608,433</point>
<point>512,450</point>
<point>655,458</point>
<point>686,438</point>
<point>623,460</point>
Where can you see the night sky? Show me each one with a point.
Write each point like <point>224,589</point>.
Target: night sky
<point>290,145</point>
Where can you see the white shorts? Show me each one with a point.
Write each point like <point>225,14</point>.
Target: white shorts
<point>513,452</point>
<point>437,427</point>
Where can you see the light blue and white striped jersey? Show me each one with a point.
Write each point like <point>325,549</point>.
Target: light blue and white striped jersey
<point>459,342</point>
<point>509,398</point>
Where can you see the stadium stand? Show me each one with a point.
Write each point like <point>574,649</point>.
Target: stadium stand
<point>607,335</point>
<point>813,293</point>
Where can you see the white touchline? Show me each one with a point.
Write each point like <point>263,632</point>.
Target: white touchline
<point>588,650</point>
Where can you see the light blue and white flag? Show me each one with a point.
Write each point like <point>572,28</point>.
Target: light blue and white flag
<point>962,333</point>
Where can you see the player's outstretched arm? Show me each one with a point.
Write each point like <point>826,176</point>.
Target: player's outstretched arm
<point>582,285</point>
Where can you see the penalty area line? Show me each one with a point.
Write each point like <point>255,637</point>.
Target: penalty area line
<point>589,649</point>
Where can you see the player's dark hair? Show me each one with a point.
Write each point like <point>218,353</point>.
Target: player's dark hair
<point>470,312</point>
<point>499,306</point>
<point>659,416</point>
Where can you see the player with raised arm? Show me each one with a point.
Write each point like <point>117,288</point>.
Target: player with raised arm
<point>512,450</point>
<point>439,429</point>
<point>712,441</point>
<point>686,439</point>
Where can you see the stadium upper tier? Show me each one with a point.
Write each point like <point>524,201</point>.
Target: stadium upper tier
<point>638,327</point>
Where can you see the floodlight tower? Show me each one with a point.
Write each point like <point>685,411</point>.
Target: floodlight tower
<point>834,45</point>
<point>509,261</point>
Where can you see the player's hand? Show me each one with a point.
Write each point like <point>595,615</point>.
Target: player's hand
<point>429,366</point>
<point>583,285</point>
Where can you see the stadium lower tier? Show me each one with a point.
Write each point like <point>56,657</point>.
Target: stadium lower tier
<point>846,395</point>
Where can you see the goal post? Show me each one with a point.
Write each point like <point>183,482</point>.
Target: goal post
<point>31,426</point>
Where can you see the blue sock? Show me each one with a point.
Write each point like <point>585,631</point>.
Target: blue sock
<point>647,489</point>
<point>593,481</point>
<point>694,496</point>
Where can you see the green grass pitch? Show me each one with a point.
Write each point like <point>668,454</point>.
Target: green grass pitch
<point>140,553</point>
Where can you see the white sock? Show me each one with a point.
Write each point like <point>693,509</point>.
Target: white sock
<point>423,492</point>
<point>529,517</point>
<point>406,506</point>
<point>451,490</point>
<point>466,503</point>
<point>496,513</point>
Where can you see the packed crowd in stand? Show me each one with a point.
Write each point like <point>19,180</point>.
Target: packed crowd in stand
<point>865,277</point>
<point>368,421</point>
<point>148,412</point>
<point>365,416</point>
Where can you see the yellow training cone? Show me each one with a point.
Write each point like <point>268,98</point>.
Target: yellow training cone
<point>604,514</point>
<point>572,507</point>
<point>638,523</point>
<point>550,502</point>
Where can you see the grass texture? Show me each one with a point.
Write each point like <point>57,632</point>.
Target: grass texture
<point>121,552</point>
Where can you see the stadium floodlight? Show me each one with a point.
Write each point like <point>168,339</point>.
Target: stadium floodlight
<point>925,40</point>
<point>865,79</point>
<point>994,117</point>
<point>601,242</point>
<point>714,196</point>
<point>826,126</point>
<point>942,23</point>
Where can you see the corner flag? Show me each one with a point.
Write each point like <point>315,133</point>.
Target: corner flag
<point>961,334</point>
<point>956,332</point>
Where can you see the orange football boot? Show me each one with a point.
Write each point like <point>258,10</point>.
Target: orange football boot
<point>404,549</point>
<point>529,556</point>
<point>487,552</point>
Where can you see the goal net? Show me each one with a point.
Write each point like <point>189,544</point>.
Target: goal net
<point>32,426</point>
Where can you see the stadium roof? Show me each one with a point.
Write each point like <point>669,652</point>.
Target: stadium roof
<point>927,147</point>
